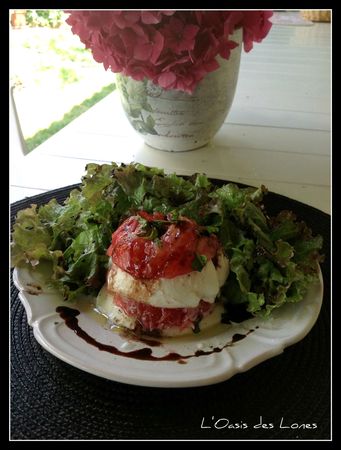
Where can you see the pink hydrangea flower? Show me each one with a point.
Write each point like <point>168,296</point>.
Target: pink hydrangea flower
<point>180,37</point>
<point>256,25</point>
<point>174,49</point>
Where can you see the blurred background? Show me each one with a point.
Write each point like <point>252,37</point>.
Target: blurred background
<point>54,79</point>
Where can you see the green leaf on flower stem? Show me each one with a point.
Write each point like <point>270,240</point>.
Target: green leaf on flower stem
<point>150,122</point>
<point>139,126</point>
<point>147,107</point>
<point>135,113</point>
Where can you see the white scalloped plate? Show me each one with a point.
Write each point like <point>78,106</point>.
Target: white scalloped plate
<point>287,326</point>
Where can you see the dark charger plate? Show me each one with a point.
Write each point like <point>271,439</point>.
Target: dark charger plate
<point>290,393</point>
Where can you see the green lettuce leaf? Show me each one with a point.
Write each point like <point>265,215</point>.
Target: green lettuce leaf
<point>273,260</point>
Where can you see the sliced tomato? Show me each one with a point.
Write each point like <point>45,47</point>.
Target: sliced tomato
<point>152,318</point>
<point>171,255</point>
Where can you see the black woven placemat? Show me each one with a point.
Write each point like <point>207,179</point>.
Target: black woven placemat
<point>291,392</point>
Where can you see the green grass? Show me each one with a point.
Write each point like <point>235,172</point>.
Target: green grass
<point>43,135</point>
<point>73,54</point>
<point>68,75</point>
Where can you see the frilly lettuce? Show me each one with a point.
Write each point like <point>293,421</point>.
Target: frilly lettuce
<point>272,259</point>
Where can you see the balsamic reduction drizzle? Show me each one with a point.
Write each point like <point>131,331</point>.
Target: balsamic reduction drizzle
<point>69,315</point>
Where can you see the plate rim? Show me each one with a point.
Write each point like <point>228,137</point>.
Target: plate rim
<point>154,382</point>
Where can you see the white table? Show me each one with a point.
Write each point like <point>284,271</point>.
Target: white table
<point>277,132</point>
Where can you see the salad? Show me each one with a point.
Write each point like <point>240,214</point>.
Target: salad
<point>165,276</point>
<point>272,260</point>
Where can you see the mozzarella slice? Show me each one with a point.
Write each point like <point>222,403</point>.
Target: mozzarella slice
<point>184,291</point>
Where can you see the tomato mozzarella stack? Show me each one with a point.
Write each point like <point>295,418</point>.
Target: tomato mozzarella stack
<point>164,276</point>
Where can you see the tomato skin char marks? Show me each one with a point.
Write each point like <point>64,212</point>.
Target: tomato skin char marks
<point>152,246</point>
